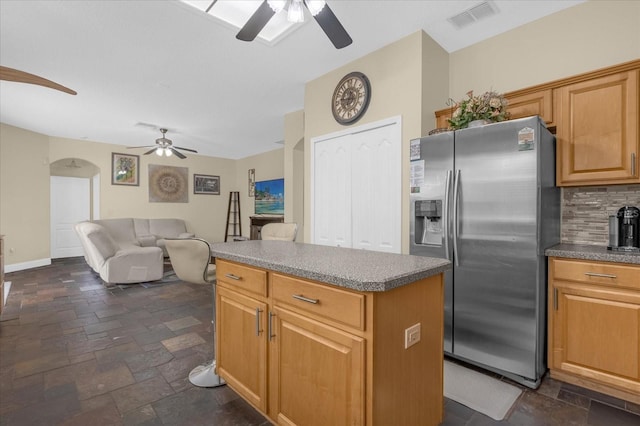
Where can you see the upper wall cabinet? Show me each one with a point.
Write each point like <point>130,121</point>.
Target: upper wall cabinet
<point>523,103</point>
<point>596,120</point>
<point>597,131</point>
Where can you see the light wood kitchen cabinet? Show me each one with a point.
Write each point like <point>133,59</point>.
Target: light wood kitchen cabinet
<point>596,118</point>
<point>242,347</point>
<point>317,372</point>
<point>597,131</point>
<point>303,353</point>
<point>594,325</point>
<point>527,104</point>
<point>523,103</point>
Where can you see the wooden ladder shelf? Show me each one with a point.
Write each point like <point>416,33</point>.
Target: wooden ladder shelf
<point>234,223</point>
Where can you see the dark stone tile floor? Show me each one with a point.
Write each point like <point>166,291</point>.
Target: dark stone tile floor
<point>75,352</point>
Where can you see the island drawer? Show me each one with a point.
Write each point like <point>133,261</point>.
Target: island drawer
<point>330,303</point>
<point>592,272</point>
<point>241,277</point>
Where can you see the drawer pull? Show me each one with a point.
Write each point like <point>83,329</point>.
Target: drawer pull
<point>305,299</point>
<point>258,312</point>
<point>594,274</point>
<point>233,277</point>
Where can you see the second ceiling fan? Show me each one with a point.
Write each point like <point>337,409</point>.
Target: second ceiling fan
<point>165,147</point>
<point>320,11</point>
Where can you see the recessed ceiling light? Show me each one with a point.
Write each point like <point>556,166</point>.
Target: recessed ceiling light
<point>235,14</point>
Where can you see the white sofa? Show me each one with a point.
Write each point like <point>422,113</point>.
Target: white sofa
<point>145,232</point>
<point>128,250</point>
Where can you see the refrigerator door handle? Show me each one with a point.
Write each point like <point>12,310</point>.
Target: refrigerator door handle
<point>456,187</point>
<point>445,213</point>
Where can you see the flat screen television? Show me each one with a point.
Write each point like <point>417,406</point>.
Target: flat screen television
<point>269,197</point>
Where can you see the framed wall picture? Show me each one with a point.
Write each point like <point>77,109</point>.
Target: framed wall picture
<point>252,182</point>
<point>125,169</point>
<point>206,184</point>
<point>168,184</point>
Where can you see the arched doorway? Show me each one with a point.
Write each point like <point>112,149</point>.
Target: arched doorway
<point>75,195</point>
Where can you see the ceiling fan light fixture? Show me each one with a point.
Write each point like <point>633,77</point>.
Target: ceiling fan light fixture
<point>296,13</point>
<point>277,5</point>
<point>159,151</point>
<point>168,152</point>
<point>315,6</point>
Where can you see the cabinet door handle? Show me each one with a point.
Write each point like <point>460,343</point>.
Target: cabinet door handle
<point>258,312</point>
<point>555,299</point>
<point>633,163</point>
<point>233,277</point>
<point>305,299</point>
<point>594,274</point>
<point>270,325</point>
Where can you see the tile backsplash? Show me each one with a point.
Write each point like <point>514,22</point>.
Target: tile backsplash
<point>586,210</point>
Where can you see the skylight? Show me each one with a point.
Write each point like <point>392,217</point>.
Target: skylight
<point>236,13</point>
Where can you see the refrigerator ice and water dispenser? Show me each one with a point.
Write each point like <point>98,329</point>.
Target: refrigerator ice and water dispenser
<point>428,222</point>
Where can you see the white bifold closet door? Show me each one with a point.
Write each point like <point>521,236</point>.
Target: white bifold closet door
<point>357,188</point>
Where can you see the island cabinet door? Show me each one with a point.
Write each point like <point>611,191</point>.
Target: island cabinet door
<point>317,372</point>
<point>242,345</point>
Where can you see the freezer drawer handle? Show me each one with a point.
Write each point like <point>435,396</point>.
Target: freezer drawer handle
<point>594,274</point>
<point>233,277</point>
<point>305,299</point>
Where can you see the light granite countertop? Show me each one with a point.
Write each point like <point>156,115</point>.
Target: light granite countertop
<point>361,270</point>
<point>591,252</point>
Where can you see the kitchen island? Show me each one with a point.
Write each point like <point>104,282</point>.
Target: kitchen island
<point>317,335</point>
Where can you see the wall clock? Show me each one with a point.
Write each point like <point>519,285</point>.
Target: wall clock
<point>351,98</point>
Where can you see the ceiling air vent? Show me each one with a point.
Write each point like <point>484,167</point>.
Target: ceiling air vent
<point>476,13</point>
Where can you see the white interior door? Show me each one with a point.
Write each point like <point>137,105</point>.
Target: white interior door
<point>70,204</point>
<point>376,180</point>
<point>332,193</point>
<point>356,188</point>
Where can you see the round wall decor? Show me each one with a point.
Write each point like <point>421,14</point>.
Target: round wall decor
<point>351,98</point>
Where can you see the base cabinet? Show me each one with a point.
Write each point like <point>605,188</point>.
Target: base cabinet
<point>317,372</point>
<point>242,344</point>
<point>594,326</point>
<point>308,353</point>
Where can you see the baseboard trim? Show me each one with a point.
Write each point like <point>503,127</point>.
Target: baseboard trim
<point>27,265</point>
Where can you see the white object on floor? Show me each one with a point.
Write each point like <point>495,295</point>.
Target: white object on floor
<point>7,286</point>
<point>205,376</point>
<point>479,391</point>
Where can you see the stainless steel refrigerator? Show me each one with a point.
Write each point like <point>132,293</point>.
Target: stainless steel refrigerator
<point>485,198</point>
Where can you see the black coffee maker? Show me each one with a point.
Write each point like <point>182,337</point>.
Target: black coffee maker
<point>627,227</point>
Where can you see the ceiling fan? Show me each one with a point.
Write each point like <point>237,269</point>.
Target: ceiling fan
<point>10,74</point>
<point>321,12</point>
<point>165,146</point>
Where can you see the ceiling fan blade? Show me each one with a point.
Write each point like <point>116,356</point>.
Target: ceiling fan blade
<point>9,74</point>
<point>186,149</point>
<point>256,23</point>
<point>332,27</point>
<point>146,146</point>
<point>150,151</point>
<point>178,154</point>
